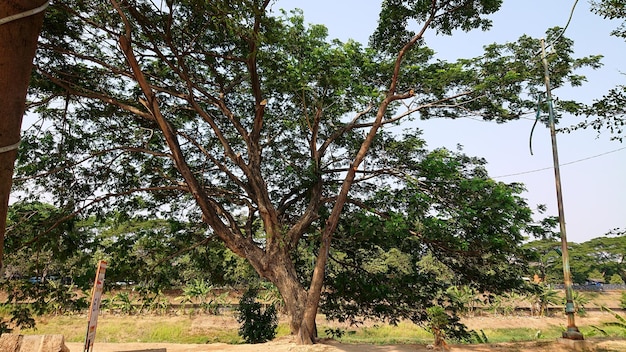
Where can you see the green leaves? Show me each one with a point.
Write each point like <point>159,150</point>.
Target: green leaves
<point>444,224</point>
<point>443,17</point>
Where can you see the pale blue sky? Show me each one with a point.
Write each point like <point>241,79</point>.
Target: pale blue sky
<point>594,190</point>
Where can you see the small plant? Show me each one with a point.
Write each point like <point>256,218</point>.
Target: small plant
<point>622,301</point>
<point>616,279</point>
<point>197,292</point>
<point>273,296</point>
<point>257,325</point>
<point>579,300</point>
<point>153,301</point>
<point>438,321</point>
<point>542,297</point>
<point>482,338</point>
<point>619,323</point>
<point>123,303</point>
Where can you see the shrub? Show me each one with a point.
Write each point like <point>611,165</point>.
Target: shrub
<point>257,325</point>
<point>622,302</point>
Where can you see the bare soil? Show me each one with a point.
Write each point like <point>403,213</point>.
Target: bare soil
<point>286,345</point>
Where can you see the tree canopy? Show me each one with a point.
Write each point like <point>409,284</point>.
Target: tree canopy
<point>606,113</point>
<point>258,126</point>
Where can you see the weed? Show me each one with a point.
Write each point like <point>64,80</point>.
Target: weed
<point>257,325</point>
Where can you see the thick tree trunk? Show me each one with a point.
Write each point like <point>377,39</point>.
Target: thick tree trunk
<point>18,42</point>
<point>280,270</point>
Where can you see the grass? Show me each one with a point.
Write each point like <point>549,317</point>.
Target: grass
<point>181,329</point>
<point>201,329</point>
<point>148,329</point>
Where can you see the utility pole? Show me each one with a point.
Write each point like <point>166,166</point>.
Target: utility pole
<point>572,332</point>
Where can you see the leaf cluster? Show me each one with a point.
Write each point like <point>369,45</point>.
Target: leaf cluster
<point>448,226</point>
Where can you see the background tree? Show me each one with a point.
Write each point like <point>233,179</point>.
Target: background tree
<point>547,264</point>
<point>254,125</point>
<point>42,243</point>
<point>603,255</point>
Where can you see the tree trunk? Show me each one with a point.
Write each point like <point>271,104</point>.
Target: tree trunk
<point>18,42</point>
<point>280,270</point>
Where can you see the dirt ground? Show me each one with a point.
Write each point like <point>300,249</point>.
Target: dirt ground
<point>286,345</point>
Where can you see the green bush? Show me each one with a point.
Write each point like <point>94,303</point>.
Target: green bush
<point>622,302</point>
<point>257,325</point>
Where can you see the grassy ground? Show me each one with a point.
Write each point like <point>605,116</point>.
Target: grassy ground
<point>201,329</point>
<point>183,327</point>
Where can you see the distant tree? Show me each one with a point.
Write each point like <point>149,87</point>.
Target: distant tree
<point>595,275</point>
<point>605,254</point>
<point>616,279</point>
<point>547,264</point>
<point>41,242</point>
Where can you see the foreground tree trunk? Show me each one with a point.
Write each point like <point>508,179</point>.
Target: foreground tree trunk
<point>18,42</point>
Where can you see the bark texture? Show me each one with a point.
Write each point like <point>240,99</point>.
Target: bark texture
<point>18,42</point>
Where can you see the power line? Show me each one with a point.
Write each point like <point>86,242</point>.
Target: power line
<point>564,164</point>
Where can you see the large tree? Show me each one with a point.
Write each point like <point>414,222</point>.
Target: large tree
<point>254,124</point>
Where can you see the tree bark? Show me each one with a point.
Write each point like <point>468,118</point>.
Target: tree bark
<point>18,42</point>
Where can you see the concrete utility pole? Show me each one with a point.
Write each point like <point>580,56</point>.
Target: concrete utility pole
<point>572,332</point>
<point>20,23</point>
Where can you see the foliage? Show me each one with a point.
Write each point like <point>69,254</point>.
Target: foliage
<point>272,296</point>
<point>153,302</point>
<point>201,293</point>
<point>257,325</point>
<point>482,338</point>
<point>335,333</point>
<point>464,298</point>
<point>424,239</point>
<point>596,258</point>
<point>620,321</point>
<point>541,298</point>
<point>437,322</point>
<point>42,243</point>
<point>580,300</point>
<point>607,112</point>
<point>504,304</point>
<point>25,300</point>
<point>622,303</point>
<point>611,10</point>
<point>616,279</point>
<point>443,326</point>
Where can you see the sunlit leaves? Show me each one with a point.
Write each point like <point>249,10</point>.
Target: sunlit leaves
<point>447,224</point>
<point>443,17</point>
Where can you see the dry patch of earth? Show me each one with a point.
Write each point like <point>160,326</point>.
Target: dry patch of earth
<point>286,345</point>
